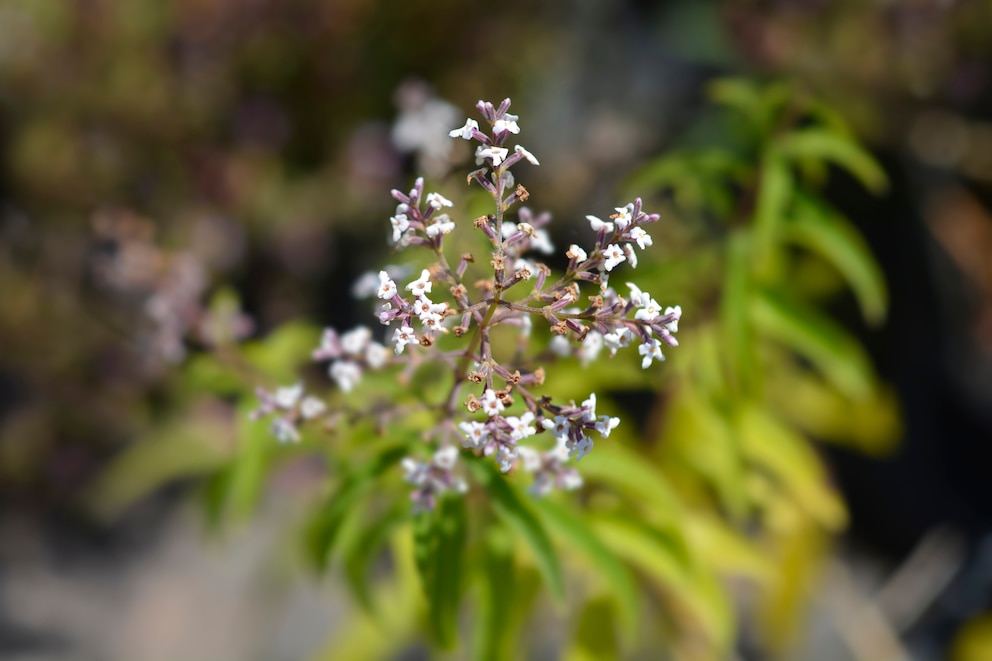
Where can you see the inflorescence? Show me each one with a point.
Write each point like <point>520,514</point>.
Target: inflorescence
<point>520,293</point>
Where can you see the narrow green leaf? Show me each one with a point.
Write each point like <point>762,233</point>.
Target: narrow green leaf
<point>256,446</point>
<point>519,516</point>
<point>775,190</point>
<point>493,641</point>
<point>366,547</point>
<point>823,231</point>
<point>326,524</point>
<point>735,326</point>
<point>816,337</point>
<point>439,549</point>
<point>576,534</point>
<point>819,143</point>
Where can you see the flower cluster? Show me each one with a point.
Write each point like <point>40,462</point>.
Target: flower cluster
<point>507,419</point>
<point>288,407</point>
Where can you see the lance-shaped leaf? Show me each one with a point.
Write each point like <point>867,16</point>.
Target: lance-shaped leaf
<point>823,144</point>
<point>439,549</point>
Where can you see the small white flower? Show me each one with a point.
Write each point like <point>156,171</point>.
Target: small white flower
<point>285,431</point>
<point>562,450</point>
<point>286,398</point>
<point>445,457</point>
<point>465,132</point>
<point>491,403</point>
<point>400,224</point>
<point>376,355</point>
<point>591,346</point>
<point>605,424</point>
<point>506,124</point>
<point>476,434</point>
<point>508,229</point>
<point>387,288</point>
<point>312,407</point>
<point>403,336</point>
<point>589,408</point>
<point>673,326</point>
<point>506,456</point>
<point>542,486</point>
<point>571,480</point>
<point>437,201</point>
<point>421,285</point>
<point>346,374</point>
<point>642,238</point>
<point>496,154</point>
<point>559,426</point>
<point>582,448</point>
<point>637,297</point>
<point>576,253</point>
<point>598,224</point>
<point>414,472</point>
<point>530,459</point>
<point>650,309</point>
<point>441,224</point>
<point>541,242</point>
<point>618,340</point>
<point>651,351</point>
<point>623,217</point>
<point>354,341</point>
<point>526,154</point>
<point>526,325</point>
<point>560,346</point>
<point>522,427</point>
<point>631,255</point>
<point>613,256</point>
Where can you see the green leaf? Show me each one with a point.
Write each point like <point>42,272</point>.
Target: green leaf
<point>575,534</point>
<point>775,190</point>
<point>698,596</point>
<point>789,457</point>
<point>818,143</point>
<point>595,637</point>
<point>735,326</point>
<point>256,446</point>
<point>493,641</point>
<point>326,524</point>
<point>516,513</point>
<point>819,339</point>
<point>821,230</point>
<point>439,549</point>
<point>357,557</point>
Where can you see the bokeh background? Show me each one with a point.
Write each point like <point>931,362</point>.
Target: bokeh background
<point>176,174</point>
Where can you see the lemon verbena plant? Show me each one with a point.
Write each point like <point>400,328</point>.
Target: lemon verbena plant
<point>495,406</point>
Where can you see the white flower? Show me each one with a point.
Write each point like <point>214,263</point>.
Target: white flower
<point>591,346</point>
<point>465,132</point>
<point>521,427</point>
<point>576,253</point>
<point>673,326</point>
<point>508,123</point>
<point>312,407</point>
<point>286,398</point>
<point>421,285</point>
<point>414,472</point>
<point>650,309</point>
<point>400,224</point>
<point>582,448</point>
<point>445,457</point>
<point>562,450</point>
<point>476,434</point>
<point>376,355</point>
<point>526,325</point>
<point>642,238</point>
<point>496,154</point>
<point>589,408</point>
<point>542,486</point>
<point>618,340</point>
<point>530,459</point>
<point>637,297</point>
<point>560,346</point>
<point>401,337</point>
<point>354,341</point>
<point>651,351</point>
<point>623,217</point>
<point>541,242</point>
<point>437,201</point>
<point>506,456</point>
<point>491,403</point>
<point>387,288</point>
<point>346,374</point>
<point>559,426</point>
<point>613,255</point>
<point>631,255</point>
<point>571,480</point>
<point>284,431</point>
<point>598,224</point>
<point>441,224</point>
<point>430,313</point>
<point>605,424</point>
<point>526,154</point>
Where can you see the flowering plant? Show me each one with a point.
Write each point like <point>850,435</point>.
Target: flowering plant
<point>515,291</point>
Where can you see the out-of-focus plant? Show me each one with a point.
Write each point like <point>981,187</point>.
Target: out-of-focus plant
<point>710,477</point>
